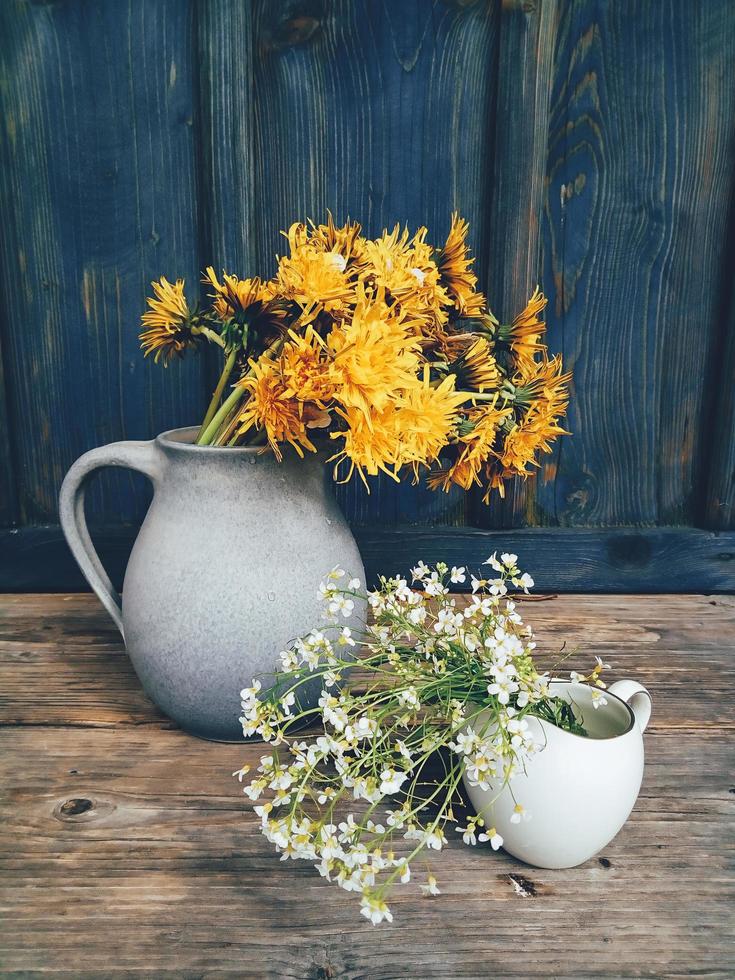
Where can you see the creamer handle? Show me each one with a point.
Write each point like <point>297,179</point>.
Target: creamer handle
<point>142,456</point>
<point>635,695</point>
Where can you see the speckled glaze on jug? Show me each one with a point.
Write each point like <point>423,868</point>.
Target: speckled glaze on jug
<point>224,573</point>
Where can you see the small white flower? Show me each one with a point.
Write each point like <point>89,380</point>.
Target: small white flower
<point>409,698</point>
<point>457,575</point>
<point>375,910</point>
<point>353,585</point>
<point>496,841</point>
<point>391,781</point>
<point>248,693</point>
<point>345,637</point>
<point>240,773</point>
<point>289,660</point>
<point>509,560</point>
<point>287,702</point>
<point>341,604</point>
<point>469,833</point>
<point>430,888</point>
<point>519,813</point>
<point>525,582</point>
<point>598,699</point>
<point>493,562</point>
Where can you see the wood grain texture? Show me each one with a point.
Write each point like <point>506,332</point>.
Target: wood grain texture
<point>640,168</point>
<point>8,501</point>
<point>379,111</point>
<point>525,74</point>
<point>147,138</point>
<point>128,850</point>
<point>97,172</point>
<point>66,647</point>
<point>560,559</point>
<point>719,464</point>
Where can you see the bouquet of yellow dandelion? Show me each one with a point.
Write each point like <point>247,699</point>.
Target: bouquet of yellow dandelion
<point>384,348</point>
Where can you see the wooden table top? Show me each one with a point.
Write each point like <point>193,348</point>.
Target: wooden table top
<point>127,849</point>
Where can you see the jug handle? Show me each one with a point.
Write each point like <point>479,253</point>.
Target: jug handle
<point>636,697</point>
<point>141,456</point>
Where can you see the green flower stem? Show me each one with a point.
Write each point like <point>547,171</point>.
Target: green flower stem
<point>227,428</point>
<point>223,379</point>
<point>210,334</point>
<point>233,399</point>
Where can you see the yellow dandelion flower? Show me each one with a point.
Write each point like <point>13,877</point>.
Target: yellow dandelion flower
<point>534,433</point>
<point>271,408</point>
<point>233,296</point>
<point>251,303</point>
<point>373,355</point>
<point>474,449</point>
<point>410,430</point>
<point>405,270</point>
<point>542,386</point>
<point>525,332</point>
<point>542,398</point>
<point>315,280</point>
<point>168,322</point>
<point>476,367</point>
<point>346,240</point>
<point>304,366</point>
<point>426,418</point>
<point>455,270</point>
<point>297,235</point>
<point>371,444</point>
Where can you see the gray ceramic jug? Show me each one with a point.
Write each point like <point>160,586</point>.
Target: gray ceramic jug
<point>224,572</point>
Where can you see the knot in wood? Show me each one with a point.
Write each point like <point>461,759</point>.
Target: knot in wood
<point>72,808</point>
<point>295,31</point>
<point>523,886</point>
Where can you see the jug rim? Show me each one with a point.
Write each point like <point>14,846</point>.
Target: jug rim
<point>169,440</point>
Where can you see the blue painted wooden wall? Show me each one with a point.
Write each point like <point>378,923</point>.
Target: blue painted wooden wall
<point>590,144</point>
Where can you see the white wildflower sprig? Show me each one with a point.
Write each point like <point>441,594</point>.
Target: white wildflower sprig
<point>359,798</point>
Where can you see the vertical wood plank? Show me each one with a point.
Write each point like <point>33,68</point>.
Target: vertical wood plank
<point>640,165</point>
<point>718,459</point>
<point>225,134</point>
<point>8,511</point>
<point>525,66</point>
<point>99,197</point>
<point>226,187</point>
<point>379,111</point>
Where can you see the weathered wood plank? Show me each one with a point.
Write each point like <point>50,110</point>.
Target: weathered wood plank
<point>134,851</point>
<point>66,647</point>
<point>225,138</point>
<point>98,190</point>
<point>719,461</point>
<point>130,850</point>
<point>8,502</point>
<point>224,35</point>
<point>380,112</point>
<point>525,73</point>
<point>639,176</point>
<point>624,559</point>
